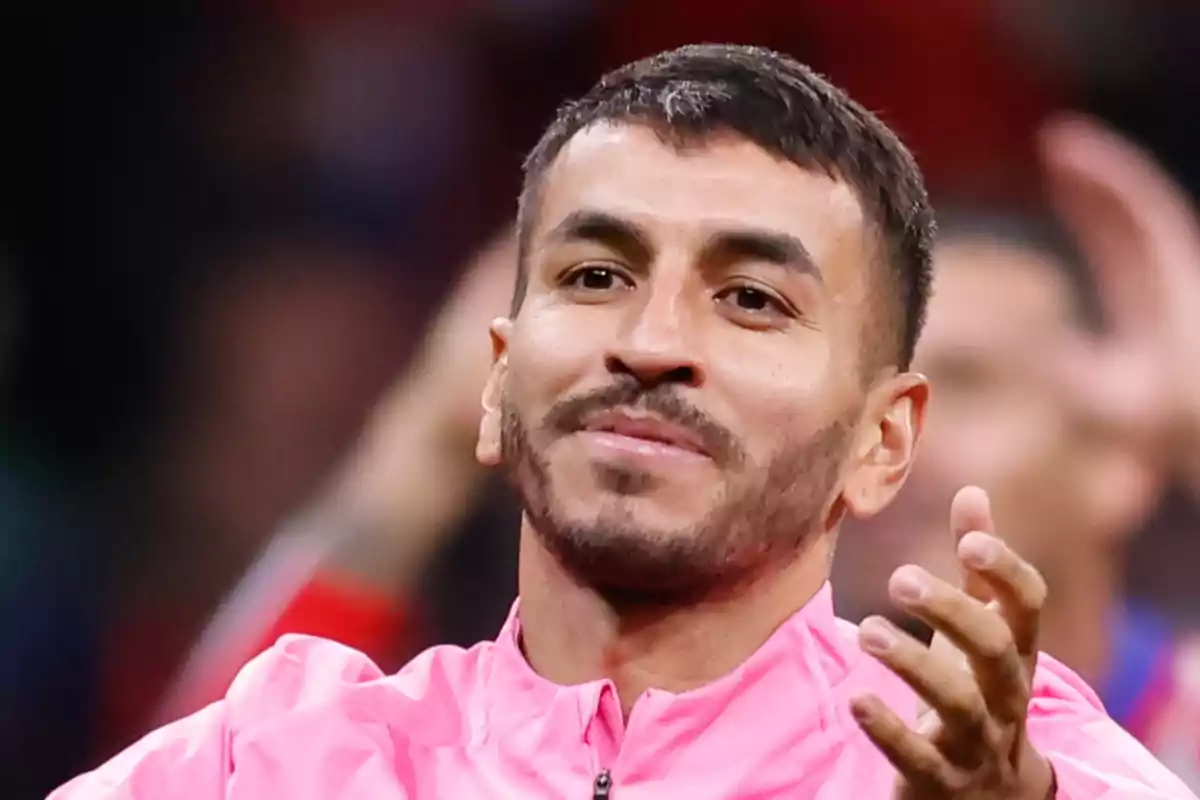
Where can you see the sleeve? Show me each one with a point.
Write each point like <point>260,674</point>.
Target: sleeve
<point>186,760</point>
<point>1093,757</point>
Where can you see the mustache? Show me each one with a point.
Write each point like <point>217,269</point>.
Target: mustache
<point>570,415</point>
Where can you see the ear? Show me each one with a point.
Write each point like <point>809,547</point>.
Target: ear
<point>887,443</point>
<point>487,448</point>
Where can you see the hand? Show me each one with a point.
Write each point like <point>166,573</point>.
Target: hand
<point>410,476</point>
<point>974,679</point>
<point>1138,232</point>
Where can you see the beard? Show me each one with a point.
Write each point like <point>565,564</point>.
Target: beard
<point>760,518</point>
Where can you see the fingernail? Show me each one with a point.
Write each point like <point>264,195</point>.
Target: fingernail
<point>860,709</point>
<point>979,551</point>
<point>908,586</point>
<point>875,636</point>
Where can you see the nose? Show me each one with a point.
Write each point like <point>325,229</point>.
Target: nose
<point>655,347</point>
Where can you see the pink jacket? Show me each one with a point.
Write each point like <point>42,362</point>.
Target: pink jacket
<point>311,719</point>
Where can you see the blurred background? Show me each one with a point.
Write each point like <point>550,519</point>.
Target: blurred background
<point>227,230</point>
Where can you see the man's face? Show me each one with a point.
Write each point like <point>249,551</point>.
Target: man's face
<point>679,390</point>
<point>999,321</point>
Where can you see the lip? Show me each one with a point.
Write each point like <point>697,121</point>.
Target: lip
<point>646,430</point>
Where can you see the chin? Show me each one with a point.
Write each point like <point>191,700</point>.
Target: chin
<point>630,544</point>
<point>644,518</point>
<point>630,564</point>
<point>634,521</point>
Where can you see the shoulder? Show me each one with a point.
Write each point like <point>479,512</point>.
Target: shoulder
<point>1056,686</point>
<point>308,675</point>
<point>1090,751</point>
<point>295,672</point>
<point>306,711</point>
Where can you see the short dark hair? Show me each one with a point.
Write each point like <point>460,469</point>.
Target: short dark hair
<point>785,108</point>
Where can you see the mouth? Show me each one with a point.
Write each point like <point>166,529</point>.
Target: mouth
<point>645,430</point>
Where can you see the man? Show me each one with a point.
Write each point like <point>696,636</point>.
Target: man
<point>724,264</point>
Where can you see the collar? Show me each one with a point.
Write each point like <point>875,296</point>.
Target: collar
<point>786,686</point>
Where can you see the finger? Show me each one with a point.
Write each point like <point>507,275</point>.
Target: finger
<point>978,631</point>
<point>914,756</point>
<point>1019,588</point>
<point>942,683</point>
<point>971,510</point>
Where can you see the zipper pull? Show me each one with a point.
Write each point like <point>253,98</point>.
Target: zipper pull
<point>602,786</point>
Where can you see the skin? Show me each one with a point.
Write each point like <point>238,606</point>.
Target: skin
<point>677,311</point>
<point>689,321</point>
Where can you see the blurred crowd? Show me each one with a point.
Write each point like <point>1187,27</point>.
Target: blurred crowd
<point>249,256</point>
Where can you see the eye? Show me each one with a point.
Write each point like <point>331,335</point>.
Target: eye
<point>753,302</point>
<point>596,279</point>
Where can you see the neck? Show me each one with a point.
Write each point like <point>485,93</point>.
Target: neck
<point>1075,622</point>
<point>571,635</point>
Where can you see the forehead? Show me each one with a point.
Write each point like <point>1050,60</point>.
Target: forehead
<point>628,171</point>
<point>990,295</point>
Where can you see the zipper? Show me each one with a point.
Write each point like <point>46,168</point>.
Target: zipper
<point>602,786</point>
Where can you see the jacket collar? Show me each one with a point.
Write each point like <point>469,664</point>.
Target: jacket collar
<point>785,689</point>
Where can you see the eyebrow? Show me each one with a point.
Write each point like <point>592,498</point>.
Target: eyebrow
<point>772,247</point>
<point>605,229</point>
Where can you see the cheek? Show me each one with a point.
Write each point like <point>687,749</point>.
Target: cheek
<point>782,377</point>
<point>549,355</point>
